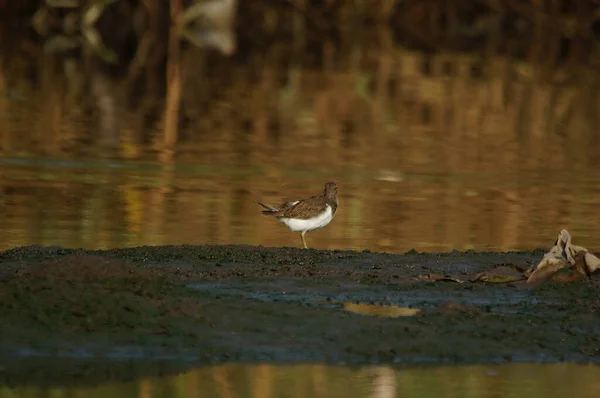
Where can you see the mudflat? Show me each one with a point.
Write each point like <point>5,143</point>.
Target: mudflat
<point>91,316</point>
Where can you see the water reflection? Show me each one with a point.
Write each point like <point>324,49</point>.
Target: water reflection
<point>272,381</point>
<point>432,150</point>
<point>116,204</point>
<point>388,311</point>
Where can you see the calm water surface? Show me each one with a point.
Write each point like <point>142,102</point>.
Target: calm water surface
<point>105,204</point>
<point>306,381</point>
<point>435,150</point>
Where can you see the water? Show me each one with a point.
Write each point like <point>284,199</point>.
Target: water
<point>94,203</point>
<point>312,381</point>
<point>391,311</point>
<point>431,150</point>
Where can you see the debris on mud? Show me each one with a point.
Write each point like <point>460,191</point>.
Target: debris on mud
<point>564,255</point>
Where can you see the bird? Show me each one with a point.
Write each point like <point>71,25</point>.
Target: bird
<point>309,214</point>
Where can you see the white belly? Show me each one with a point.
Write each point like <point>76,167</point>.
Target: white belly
<point>309,224</point>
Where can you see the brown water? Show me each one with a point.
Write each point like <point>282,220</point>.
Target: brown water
<point>431,150</point>
<point>273,381</point>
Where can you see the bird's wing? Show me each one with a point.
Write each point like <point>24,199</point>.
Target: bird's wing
<point>304,209</point>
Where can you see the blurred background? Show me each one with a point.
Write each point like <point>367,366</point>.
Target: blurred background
<point>447,124</point>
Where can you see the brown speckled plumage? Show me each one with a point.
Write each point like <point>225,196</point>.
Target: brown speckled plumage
<point>306,209</point>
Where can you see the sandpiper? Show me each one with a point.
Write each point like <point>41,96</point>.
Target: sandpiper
<point>307,214</point>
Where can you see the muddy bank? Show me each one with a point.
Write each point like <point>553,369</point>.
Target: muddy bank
<point>152,310</point>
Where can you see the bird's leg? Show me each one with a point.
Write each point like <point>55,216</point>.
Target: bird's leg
<point>304,240</point>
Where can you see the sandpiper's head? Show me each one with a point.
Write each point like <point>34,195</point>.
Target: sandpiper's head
<point>331,190</point>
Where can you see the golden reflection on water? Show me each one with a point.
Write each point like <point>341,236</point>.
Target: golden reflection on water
<point>431,151</point>
<point>105,207</point>
<point>388,311</point>
<point>273,381</point>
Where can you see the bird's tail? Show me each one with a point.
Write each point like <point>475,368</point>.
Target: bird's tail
<point>270,209</point>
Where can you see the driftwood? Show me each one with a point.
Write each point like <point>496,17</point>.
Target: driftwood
<point>564,255</point>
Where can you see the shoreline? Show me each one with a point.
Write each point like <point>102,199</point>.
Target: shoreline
<point>214,304</point>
